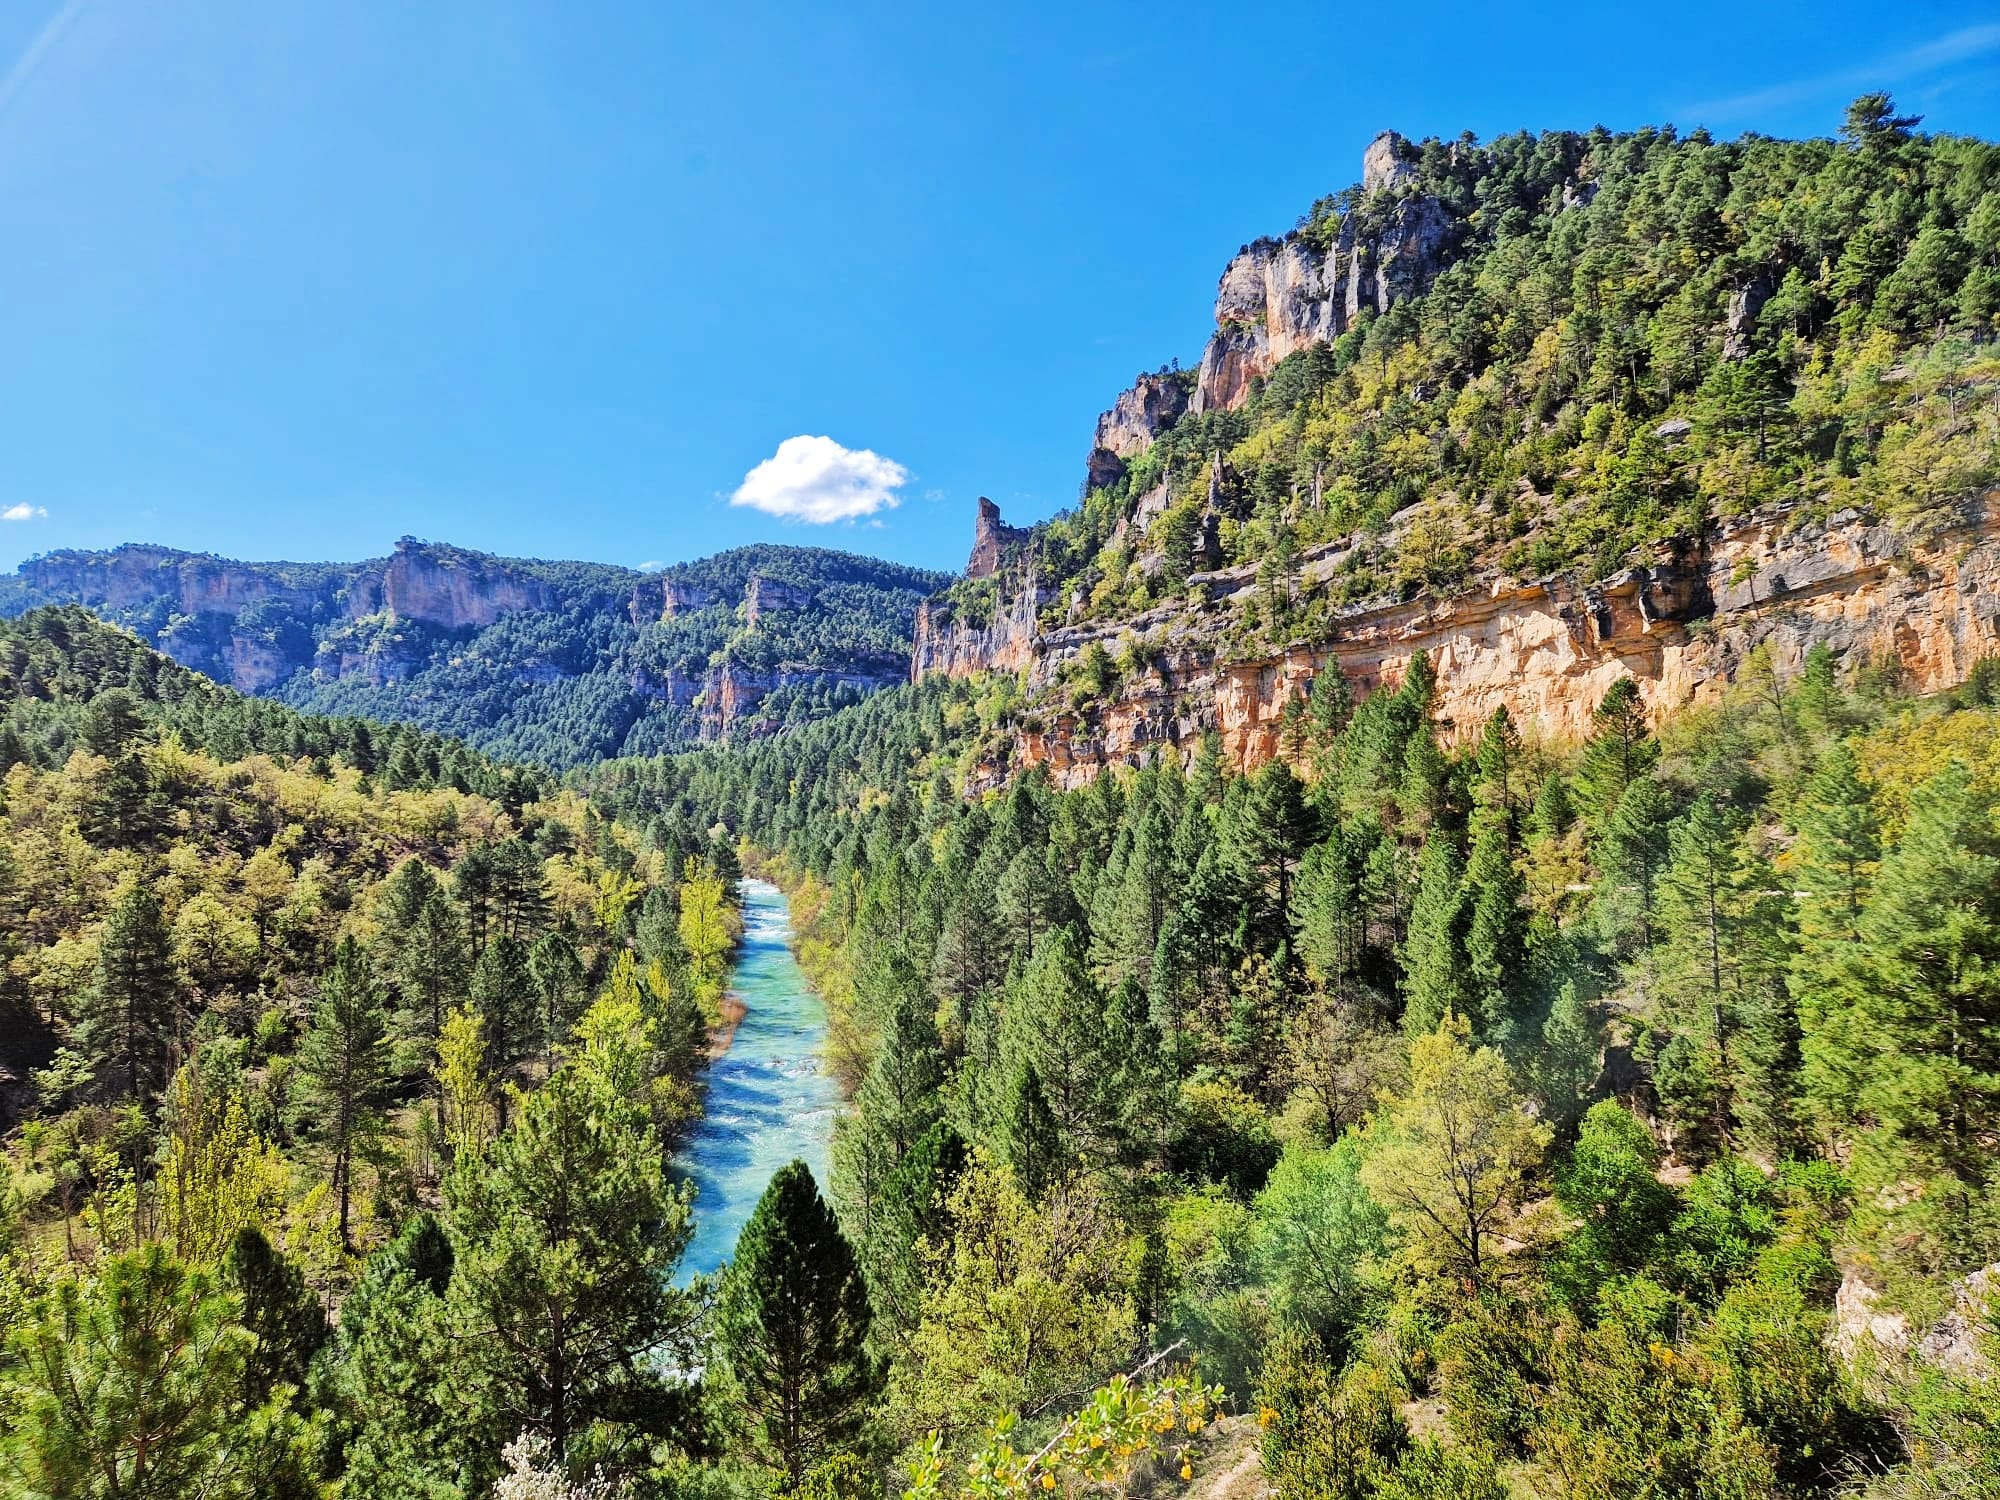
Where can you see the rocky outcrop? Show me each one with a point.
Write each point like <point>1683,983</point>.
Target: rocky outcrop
<point>1547,649</point>
<point>950,644</point>
<point>1147,408</point>
<point>991,540</point>
<point>763,596</point>
<point>683,598</point>
<point>1279,296</point>
<point>1863,1330</point>
<point>446,587</point>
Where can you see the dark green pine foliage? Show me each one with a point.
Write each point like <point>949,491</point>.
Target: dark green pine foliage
<point>1620,751</point>
<point>433,969</point>
<point>560,991</point>
<point>1433,953</point>
<point>1054,1021</point>
<point>277,1306</point>
<point>503,994</point>
<point>408,1440</point>
<point>791,1328</point>
<point>1841,841</point>
<point>129,1017</point>
<point>1029,1135</point>
<point>898,1100</point>
<point>562,1307</point>
<point>1905,1032</point>
<point>1496,946</point>
<point>911,1210</point>
<point>343,1070</point>
<point>132,1386</point>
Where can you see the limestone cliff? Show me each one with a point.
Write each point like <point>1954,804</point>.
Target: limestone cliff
<point>447,587</point>
<point>1547,649</point>
<point>1279,296</point>
<point>990,540</point>
<point>1151,405</point>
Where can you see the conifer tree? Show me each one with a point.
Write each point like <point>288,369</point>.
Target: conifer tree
<point>432,969</point>
<point>1433,952</point>
<point>133,1384</point>
<point>503,994</point>
<point>277,1306</point>
<point>343,1070</point>
<point>1620,751</point>
<point>128,1016</point>
<point>791,1328</point>
<point>909,1213</point>
<point>561,1302</point>
<point>1904,1030</point>
<point>1030,1136</point>
<point>557,972</point>
<point>1054,1019</point>
<point>1841,841</point>
<point>1496,958</point>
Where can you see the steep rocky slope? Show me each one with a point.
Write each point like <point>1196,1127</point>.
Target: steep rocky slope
<point>554,661</point>
<point>1554,410</point>
<point>1681,626</point>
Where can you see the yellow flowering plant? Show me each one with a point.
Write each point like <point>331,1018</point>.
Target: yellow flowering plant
<point>1124,1422</point>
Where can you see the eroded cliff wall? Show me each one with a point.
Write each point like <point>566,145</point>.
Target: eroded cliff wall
<point>1681,627</point>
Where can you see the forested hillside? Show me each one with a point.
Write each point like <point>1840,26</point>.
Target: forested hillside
<point>1553,409</point>
<point>1594,341</point>
<point>277,992</point>
<point>1501,1123</point>
<point>547,662</point>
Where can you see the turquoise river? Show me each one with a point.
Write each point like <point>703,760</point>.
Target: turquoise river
<point>768,1098</point>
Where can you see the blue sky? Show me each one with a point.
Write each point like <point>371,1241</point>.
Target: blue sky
<point>293,280</point>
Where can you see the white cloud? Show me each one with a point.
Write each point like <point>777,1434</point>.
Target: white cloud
<point>652,567</point>
<point>23,512</point>
<point>1895,67</point>
<point>815,479</point>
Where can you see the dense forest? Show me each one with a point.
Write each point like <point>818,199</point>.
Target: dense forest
<point>1486,1124</point>
<point>1420,1115</point>
<point>578,662</point>
<point>1629,337</point>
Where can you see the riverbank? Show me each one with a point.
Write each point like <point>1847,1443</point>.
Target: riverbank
<point>768,1098</point>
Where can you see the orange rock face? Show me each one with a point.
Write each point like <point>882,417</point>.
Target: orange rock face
<point>1681,628</point>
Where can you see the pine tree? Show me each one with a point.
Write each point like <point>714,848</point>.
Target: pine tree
<point>561,1299</point>
<point>1054,1019</point>
<point>1498,759</point>
<point>1904,1030</point>
<point>343,1069</point>
<point>1621,750</point>
<point>1030,1136</point>
<point>280,1309</point>
<point>557,972</point>
<point>1841,841</point>
<point>1496,937</point>
<point>1433,952</point>
<point>132,1384</point>
<point>432,967</point>
<point>898,1100</point>
<point>503,994</point>
<point>910,1213</point>
<point>128,1017</point>
<point>791,1328</point>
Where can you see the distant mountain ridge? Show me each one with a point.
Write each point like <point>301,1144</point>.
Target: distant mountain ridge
<point>558,662</point>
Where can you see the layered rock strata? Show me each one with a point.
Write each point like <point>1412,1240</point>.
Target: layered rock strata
<point>1547,649</point>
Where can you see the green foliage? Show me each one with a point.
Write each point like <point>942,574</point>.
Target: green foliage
<point>134,1384</point>
<point>791,1328</point>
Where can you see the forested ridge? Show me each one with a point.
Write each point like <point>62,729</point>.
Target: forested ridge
<point>1613,338</point>
<point>554,663</point>
<point>1491,1123</point>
